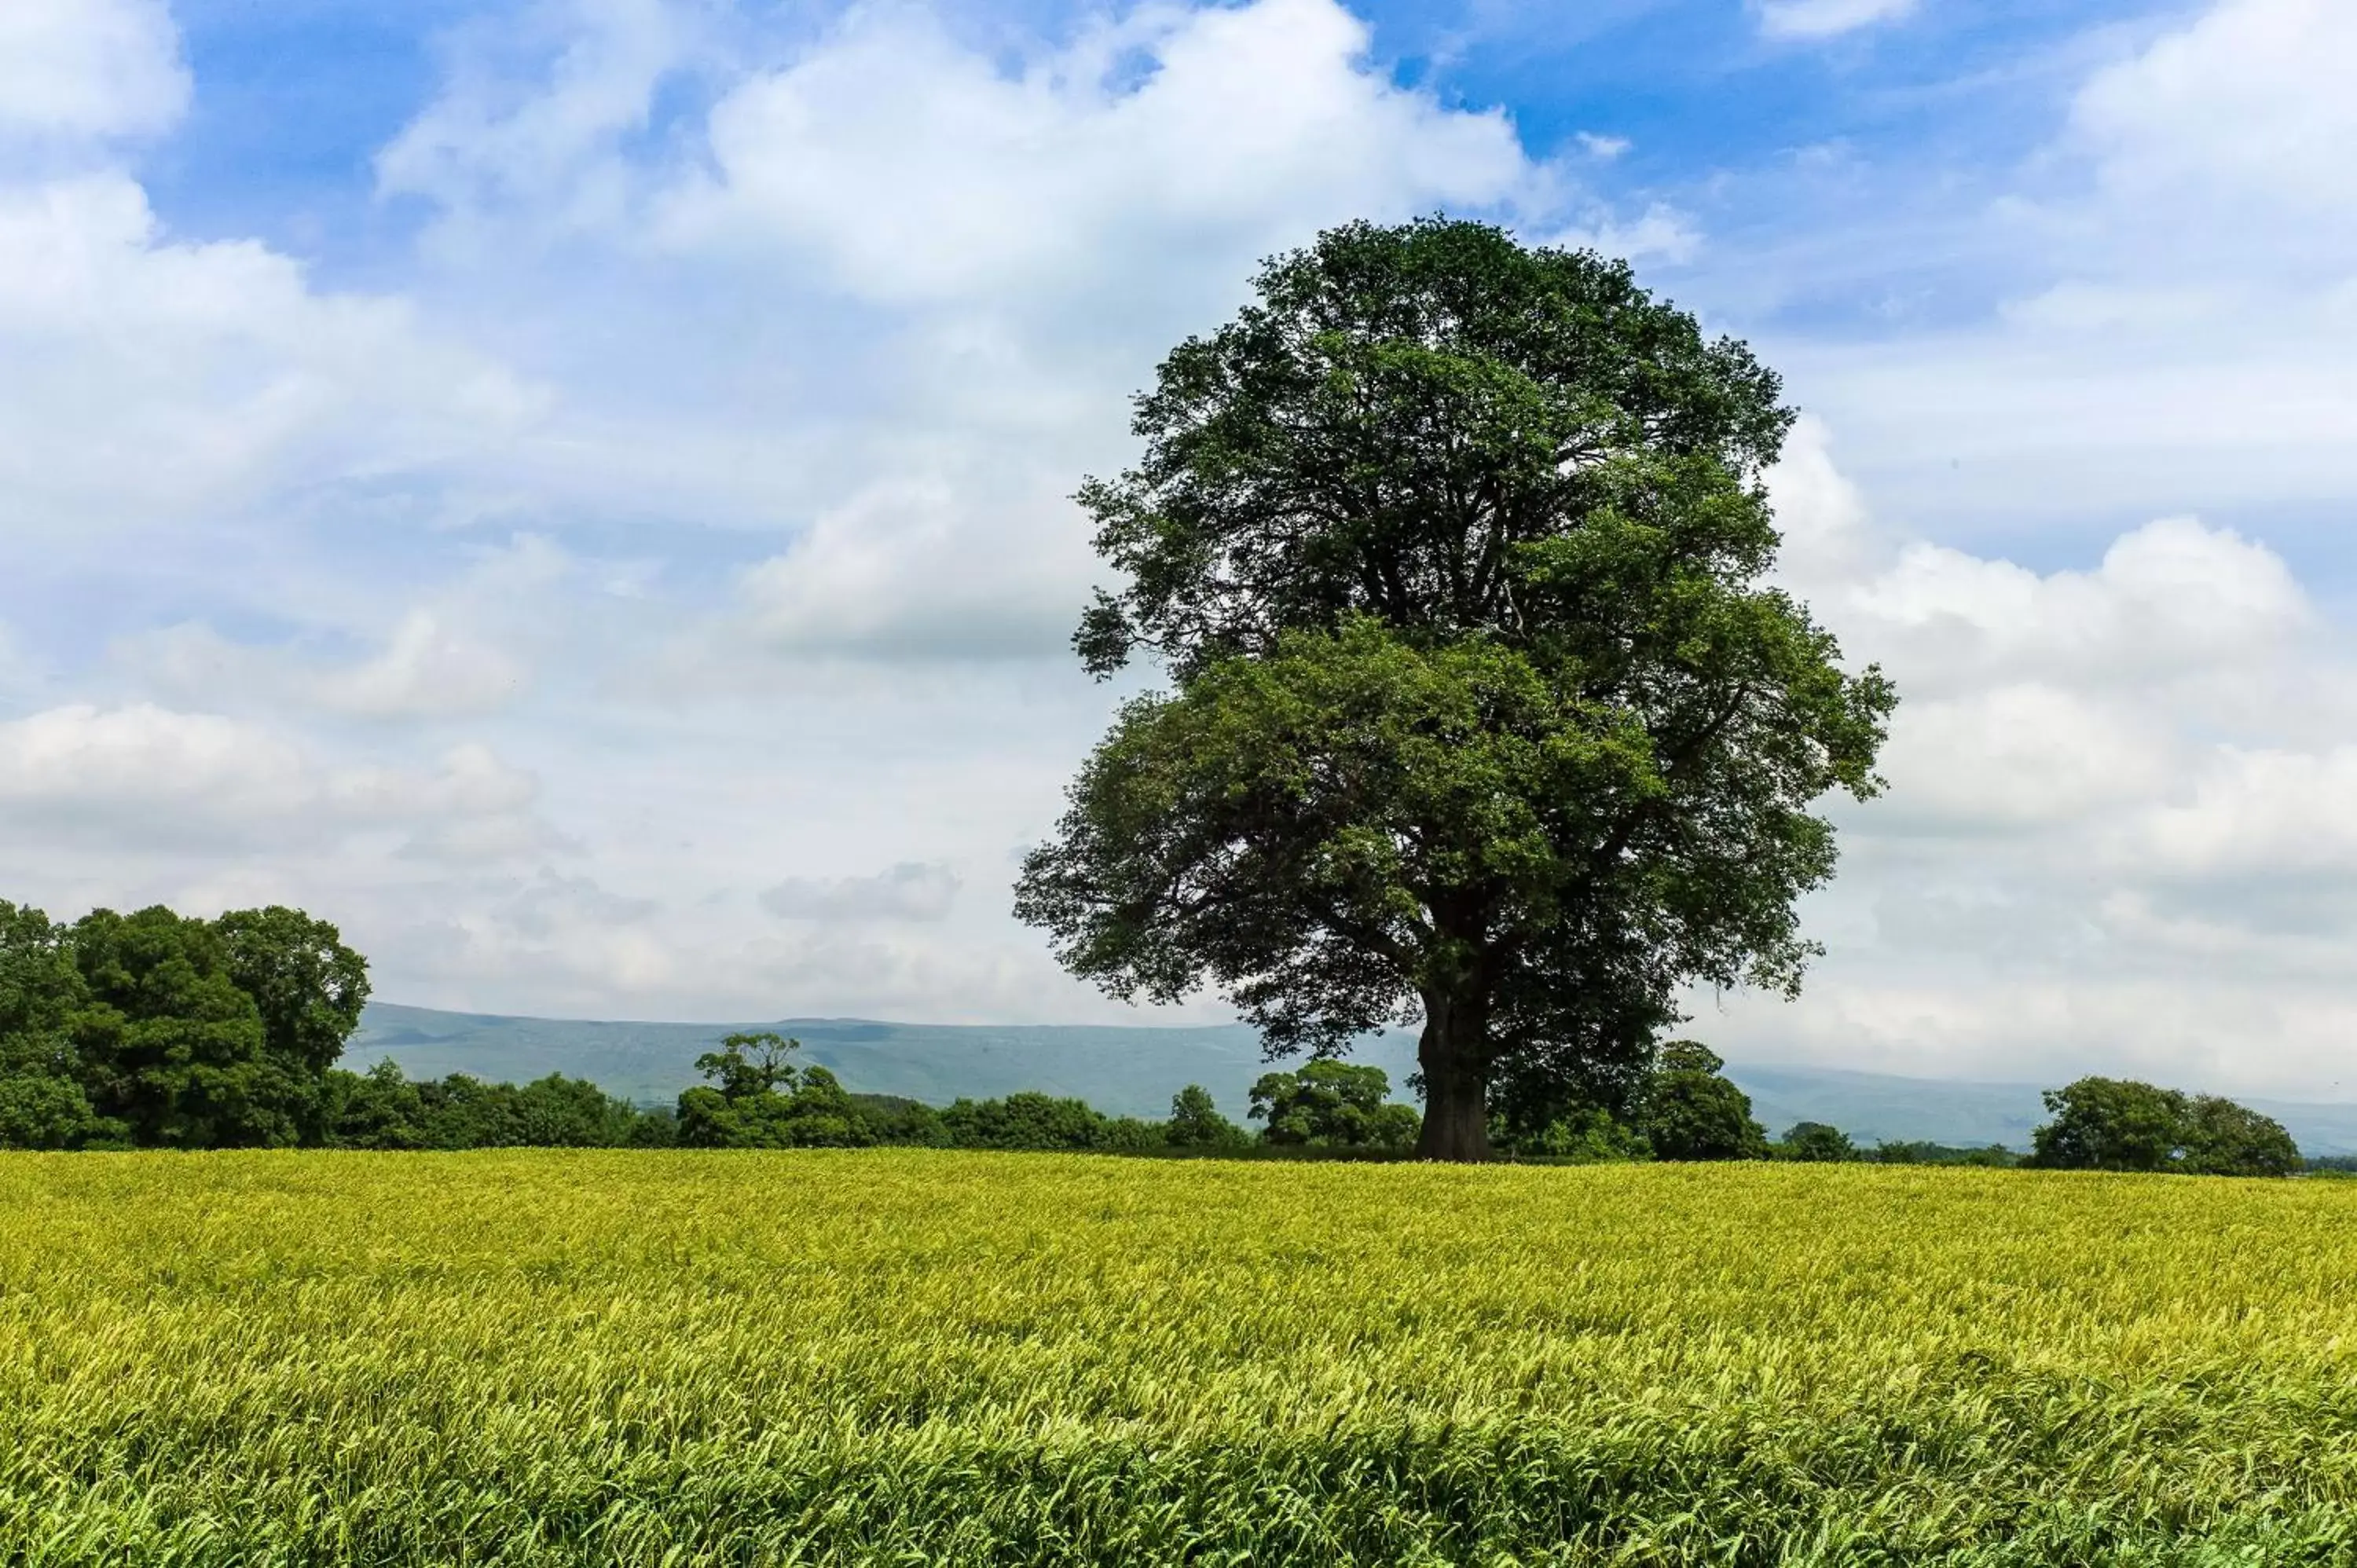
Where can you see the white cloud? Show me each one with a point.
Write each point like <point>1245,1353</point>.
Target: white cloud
<point>2259,814</point>
<point>143,779</point>
<point>914,169</point>
<point>2170,596</point>
<point>2113,839</point>
<point>2251,100</point>
<point>1826,19</point>
<point>489,139</point>
<point>1660,233</point>
<point>427,668</point>
<point>903,569</point>
<point>2174,313</point>
<point>152,380</point>
<point>911,890</point>
<point>88,68</point>
<point>2017,756</point>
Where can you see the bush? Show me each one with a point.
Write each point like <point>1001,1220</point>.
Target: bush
<point>1815,1143</point>
<point>1030,1120</point>
<point>1196,1122</point>
<point>1902,1152</point>
<point>41,1111</point>
<point>1332,1105</point>
<point>895,1119</point>
<point>1587,1135</point>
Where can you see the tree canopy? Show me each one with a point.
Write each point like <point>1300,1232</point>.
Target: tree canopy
<point>2123,1124</point>
<point>1331,1105</point>
<point>1482,716</point>
<point>159,1028</point>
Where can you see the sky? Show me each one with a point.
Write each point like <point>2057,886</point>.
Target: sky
<point>576,491</point>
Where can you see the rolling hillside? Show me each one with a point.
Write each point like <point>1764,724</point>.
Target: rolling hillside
<point>1135,1072</point>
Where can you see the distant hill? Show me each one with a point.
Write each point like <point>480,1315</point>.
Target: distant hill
<point>1134,1071</point>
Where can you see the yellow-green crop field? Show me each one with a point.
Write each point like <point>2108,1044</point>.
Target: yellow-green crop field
<point>912,1357</point>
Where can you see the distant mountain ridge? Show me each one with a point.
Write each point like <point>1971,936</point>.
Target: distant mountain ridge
<point>1133,1071</point>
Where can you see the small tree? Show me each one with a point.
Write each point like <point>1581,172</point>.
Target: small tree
<point>761,1100</point>
<point>1815,1143</point>
<point>1693,1112</point>
<point>1196,1122</point>
<point>41,1111</point>
<point>1587,1133</point>
<point>750,1064</point>
<point>1332,1105</point>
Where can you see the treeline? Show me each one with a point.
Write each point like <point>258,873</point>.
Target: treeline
<point>158,1030</point>
<point>757,1096</point>
<point>1686,1109</point>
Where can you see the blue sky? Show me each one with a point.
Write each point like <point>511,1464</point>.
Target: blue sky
<point>575,490</point>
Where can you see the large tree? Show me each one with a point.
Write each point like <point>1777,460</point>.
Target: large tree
<point>1483,717</point>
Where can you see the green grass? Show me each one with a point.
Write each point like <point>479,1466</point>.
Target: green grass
<point>915,1357</point>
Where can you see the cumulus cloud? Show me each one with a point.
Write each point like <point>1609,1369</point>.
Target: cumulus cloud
<point>909,891</point>
<point>88,68</point>
<point>2111,840</point>
<point>152,380</point>
<point>2249,101</point>
<point>914,169</point>
<point>140,778</point>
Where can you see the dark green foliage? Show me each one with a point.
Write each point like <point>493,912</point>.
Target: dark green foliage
<point>42,993</point>
<point>2222,1138</point>
<point>654,1127</point>
<point>897,1120</point>
<point>1813,1142</point>
<point>1902,1152</point>
<point>1693,1112</point>
<point>1483,716</point>
<point>1033,1120</point>
<point>761,1100</point>
<point>156,1029</point>
<point>42,1003</point>
<point>1196,1122</point>
<point>2122,1124</point>
<point>1582,1135</point>
<point>1332,1105</point>
<point>171,1047</point>
<point>382,1110</point>
<point>308,987</point>
<point>2110,1125</point>
<point>38,1111</point>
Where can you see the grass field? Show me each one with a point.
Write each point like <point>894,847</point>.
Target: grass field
<point>910,1356</point>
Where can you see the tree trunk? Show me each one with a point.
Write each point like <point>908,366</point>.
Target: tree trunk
<point>1454,1056</point>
